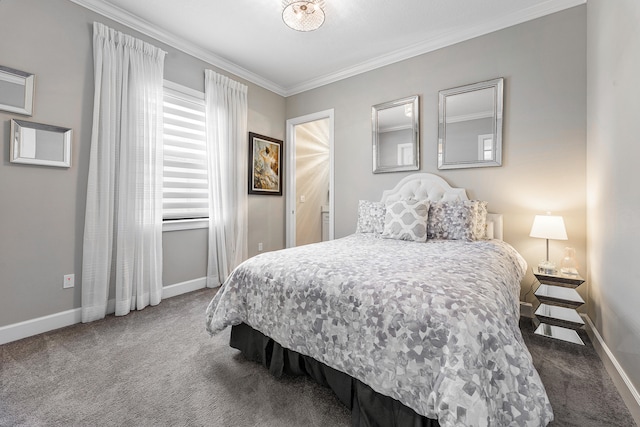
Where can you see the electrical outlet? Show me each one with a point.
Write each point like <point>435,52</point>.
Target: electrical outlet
<point>68,281</point>
<point>303,198</point>
<point>526,309</point>
<point>260,247</point>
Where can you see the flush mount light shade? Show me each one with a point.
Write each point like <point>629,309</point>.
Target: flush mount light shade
<point>307,15</point>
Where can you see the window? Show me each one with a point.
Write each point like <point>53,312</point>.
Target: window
<point>185,186</point>
<point>485,147</point>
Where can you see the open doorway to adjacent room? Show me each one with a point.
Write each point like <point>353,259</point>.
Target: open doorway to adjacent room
<point>309,173</point>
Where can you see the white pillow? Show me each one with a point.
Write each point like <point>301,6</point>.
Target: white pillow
<point>406,220</point>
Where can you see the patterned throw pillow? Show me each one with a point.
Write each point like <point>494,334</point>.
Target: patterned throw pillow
<point>370,217</point>
<point>481,220</point>
<point>406,220</point>
<point>462,220</point>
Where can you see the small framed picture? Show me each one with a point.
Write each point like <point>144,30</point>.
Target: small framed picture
<point>40,144</point>
<point>16,91</point>
<point>265,165</point>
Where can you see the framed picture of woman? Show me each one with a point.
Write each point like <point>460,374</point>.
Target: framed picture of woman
<point>265,165</point>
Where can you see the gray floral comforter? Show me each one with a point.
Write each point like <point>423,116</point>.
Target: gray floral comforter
<point>433,325</point>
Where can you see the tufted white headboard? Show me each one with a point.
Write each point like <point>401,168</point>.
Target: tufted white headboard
<point>426,186</point>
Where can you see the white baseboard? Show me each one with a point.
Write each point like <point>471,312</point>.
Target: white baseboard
<point>39,325</point>
<point>184,287</point>
<point>28,328</point>
<point>625,387</point>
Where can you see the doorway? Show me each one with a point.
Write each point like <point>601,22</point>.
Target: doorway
<point>309,177</point>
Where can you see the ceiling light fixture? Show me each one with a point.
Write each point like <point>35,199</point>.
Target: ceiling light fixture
<point>306,15</point>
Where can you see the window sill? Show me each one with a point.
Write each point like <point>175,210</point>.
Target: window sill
<point>185,224</point>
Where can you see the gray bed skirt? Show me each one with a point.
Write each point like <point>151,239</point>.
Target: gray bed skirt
<point>368,408</point>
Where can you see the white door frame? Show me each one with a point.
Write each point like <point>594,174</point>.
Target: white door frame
<point>290,172</point>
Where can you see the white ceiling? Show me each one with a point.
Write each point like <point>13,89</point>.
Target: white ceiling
<point>249,39</point>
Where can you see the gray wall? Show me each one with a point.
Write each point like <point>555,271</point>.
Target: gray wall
<point>612,161</point>
<point>42,208</point>
<point>544,152</point>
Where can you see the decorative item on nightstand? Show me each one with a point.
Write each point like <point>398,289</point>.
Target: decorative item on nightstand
<point>568,263</point>
<point>548,227</point>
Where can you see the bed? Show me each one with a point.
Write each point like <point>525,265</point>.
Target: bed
<point>412,320</point>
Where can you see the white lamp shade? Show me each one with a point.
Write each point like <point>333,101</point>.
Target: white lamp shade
<point>548,227</point>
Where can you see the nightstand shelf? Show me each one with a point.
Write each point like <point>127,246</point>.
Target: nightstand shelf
<point>559,333</point>
<point>559,296</point>
<point>559,316</point>
<point>563,280</point>
<point>558,303</point>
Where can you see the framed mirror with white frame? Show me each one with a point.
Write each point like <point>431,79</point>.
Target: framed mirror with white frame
<point>16,91</point>
<point>40,144</point>
<point>470,125</point>
<point>395,133</point>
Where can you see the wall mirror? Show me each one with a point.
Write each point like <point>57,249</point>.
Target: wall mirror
<point>16,91</point>
<point>470,126</point>
<point>39,144</point>
<point>395,130</point>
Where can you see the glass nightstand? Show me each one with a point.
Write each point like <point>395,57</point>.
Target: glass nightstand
<point>556,317</point>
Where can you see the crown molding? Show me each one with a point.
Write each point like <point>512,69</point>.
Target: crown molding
<point>444,40</point>
<point>125,18</point>
<point>447,39</point>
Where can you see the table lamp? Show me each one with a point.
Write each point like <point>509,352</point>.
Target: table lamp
<point>548,227</point>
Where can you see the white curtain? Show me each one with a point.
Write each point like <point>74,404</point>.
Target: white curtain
<point>123,220</point>
<point>226,112</point>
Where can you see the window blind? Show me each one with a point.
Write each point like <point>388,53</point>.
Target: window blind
<point>185,185</point>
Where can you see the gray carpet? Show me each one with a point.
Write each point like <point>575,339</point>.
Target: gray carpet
<point>580,390</point>
<point>158,367</point>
